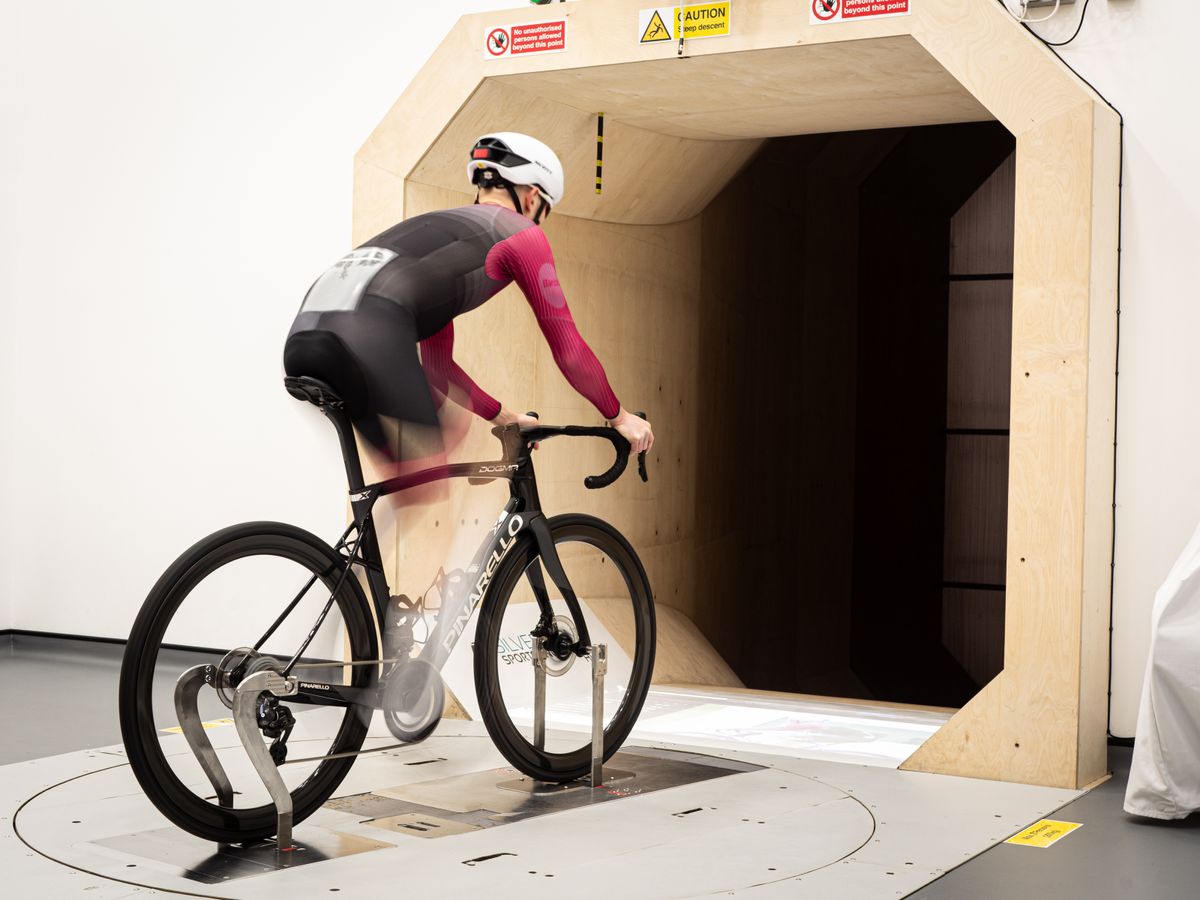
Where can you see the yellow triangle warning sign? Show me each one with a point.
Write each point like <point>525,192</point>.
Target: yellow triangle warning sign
<point>656,30</point>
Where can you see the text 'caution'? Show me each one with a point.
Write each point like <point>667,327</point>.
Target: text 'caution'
<point>701,20</point>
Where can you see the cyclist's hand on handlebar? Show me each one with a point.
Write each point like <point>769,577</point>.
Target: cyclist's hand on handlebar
<point>525,420</point>
<point>508,417</point>
<point>635,430</point>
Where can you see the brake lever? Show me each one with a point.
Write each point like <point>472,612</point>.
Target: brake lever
<point>533,414</point>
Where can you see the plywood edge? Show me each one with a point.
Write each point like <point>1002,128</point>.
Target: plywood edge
<point>1027,724</point>
<point>1101,436</point>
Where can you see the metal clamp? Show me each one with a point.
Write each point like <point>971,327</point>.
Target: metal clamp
<point>599,655</point>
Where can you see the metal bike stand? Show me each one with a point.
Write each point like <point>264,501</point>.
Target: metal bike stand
<point>245,718</point>
<point>245,702</point>
<point>539,695</point>
<point>599,655</point>
<point>187,689</point>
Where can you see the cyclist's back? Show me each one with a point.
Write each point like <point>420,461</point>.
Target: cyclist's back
<point>437,269</point>
<point>361,322</point>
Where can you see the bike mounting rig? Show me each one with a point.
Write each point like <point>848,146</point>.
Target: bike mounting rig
<point>254,704</point>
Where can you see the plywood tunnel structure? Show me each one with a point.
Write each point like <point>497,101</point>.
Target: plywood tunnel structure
<point>649,265</point>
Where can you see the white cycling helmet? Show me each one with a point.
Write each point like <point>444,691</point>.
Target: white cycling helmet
<point>517,159</point>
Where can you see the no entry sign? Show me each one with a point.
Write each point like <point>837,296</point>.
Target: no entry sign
<point>525,39</point>
<point>823,12</point>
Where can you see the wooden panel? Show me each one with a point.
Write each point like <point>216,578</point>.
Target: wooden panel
<point>649,178</point>
<point>1026,724</point>
<point>973,631</point>
<point>979,354</point>
<point>976,507</point>
<point>981,232</point>
<point>867,84</point>
<point>1099,461</point>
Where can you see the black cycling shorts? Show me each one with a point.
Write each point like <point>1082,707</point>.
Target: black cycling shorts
<point>369,357</point>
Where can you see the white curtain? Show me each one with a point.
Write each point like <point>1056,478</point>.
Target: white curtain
<point>1164,779</point>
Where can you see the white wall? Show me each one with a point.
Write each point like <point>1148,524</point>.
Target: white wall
<point>172,178</point>
<point>170,183</point>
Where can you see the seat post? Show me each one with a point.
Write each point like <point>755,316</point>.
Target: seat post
<point>341,422</point>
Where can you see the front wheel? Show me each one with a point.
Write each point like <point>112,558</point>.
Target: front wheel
<point>618,607</point>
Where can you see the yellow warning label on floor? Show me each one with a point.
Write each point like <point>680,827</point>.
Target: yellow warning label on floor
<point>700,20</point>
<point>215,723</point>
<point>1043,833</point>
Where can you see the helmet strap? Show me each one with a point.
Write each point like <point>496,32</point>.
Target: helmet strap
<point>512,192</point>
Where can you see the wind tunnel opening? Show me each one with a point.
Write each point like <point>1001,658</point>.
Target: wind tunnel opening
<point>854,348</point>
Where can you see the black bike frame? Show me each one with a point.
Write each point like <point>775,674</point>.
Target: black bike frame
<point>521,513</point>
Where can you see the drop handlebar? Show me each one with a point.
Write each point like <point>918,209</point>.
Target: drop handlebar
<point>536,433</point>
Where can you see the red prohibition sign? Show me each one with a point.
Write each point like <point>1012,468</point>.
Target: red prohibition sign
<point>497,40</point>
<point>825,9</point>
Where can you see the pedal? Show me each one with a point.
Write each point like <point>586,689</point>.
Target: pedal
<point>398,627</point>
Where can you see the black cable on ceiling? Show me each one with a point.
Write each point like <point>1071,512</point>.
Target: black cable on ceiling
<point>1078,28</point>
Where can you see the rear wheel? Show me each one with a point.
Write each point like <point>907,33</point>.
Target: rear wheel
<point>214,603</point>
<point>618,607</point>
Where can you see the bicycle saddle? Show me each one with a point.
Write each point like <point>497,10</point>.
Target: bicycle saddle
<point>318,392</point>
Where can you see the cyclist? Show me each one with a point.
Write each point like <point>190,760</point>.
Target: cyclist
<point>362,322</point>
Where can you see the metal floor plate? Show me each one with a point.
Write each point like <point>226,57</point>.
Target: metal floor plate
<point>482,800</point>
<point>760,826</point>
<point>172,850</point>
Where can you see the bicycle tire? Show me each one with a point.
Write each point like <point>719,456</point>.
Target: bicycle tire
<point>520,753</point>
<point>138,729</point>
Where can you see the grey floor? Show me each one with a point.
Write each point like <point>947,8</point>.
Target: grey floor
<point>60,696</point>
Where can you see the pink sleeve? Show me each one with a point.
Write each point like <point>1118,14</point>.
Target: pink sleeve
<point>437,357</point>
<point>526,259</point>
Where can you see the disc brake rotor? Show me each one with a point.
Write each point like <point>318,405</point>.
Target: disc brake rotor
<point>555,666</point>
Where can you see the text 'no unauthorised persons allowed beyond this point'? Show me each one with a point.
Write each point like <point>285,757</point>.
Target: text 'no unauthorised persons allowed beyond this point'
<point>526,39</point>
<point>826,12</point>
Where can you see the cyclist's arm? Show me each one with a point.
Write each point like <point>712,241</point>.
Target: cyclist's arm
<point>526,259</point>
<point>448,379</point>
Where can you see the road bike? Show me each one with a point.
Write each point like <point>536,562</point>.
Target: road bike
<point>269,615</point>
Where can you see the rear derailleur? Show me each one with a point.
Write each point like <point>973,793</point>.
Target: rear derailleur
<point>275,721</point>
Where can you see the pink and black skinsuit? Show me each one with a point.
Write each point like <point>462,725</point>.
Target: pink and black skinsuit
<point>361,323</point>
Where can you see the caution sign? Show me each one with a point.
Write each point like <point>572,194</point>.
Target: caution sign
<point>700,20</point>
<point>1043,833</point>
<point>823,12</point>
<point>656,28</point>
<point>526,39</point>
